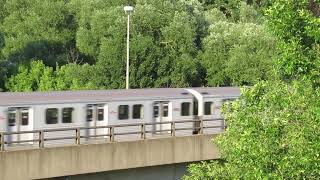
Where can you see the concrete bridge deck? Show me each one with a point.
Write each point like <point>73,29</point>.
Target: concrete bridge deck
<point>100,157</point>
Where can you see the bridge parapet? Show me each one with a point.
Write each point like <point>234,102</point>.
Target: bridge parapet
<point>90,158</point>
<point>79,135</point>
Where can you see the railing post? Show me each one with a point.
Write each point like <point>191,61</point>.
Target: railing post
<point>2,143</point>
<point>41,139</point>
<point>201,125</point>
<point>143,131</point>
<point>112,134</point>
<point>78,136</point>
<point>173,128</point>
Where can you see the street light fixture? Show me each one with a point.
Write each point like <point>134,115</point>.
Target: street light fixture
<point>129,11</point>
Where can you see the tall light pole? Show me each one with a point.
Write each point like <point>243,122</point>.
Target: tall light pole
<point>129,11</point>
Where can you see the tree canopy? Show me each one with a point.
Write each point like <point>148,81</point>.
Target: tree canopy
<point>296,24</point>
<point>39,77</point>
<point>273,128</point>
<point>171,41</point>
<point>36,29</point>
<point>237,53</point>
<point>273,133</point>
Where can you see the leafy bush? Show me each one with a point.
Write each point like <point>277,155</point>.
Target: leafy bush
<point>273,133</point>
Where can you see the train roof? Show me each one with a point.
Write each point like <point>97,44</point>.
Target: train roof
<point>94,96</point>
<point>218,91</point>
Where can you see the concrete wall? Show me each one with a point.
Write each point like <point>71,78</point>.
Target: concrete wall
<point>83,159</point>
<point>163,172</point>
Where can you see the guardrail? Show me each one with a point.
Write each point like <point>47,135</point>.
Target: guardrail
<point>197,128</point>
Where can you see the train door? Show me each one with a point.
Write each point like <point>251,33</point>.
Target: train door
<point>196,124</point>
<point>161,114</point>
<point>96,117</point>
<point>19,120</point>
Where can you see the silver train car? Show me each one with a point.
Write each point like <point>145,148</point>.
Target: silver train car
<point>51,110</point>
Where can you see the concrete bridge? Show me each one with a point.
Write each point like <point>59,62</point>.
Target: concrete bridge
<point>67,160</point>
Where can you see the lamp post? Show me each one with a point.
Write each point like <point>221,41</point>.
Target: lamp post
<point>129,11</point>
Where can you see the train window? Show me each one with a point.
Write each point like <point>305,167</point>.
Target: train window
<point>100,113</point>
<point>208,106</point>
<point>137,111</point>
<point>123,112</point>
<point>24,117</point>
<point>67,115</point>
<point>52,116</point>
<point>155,111</point>
<point>185,109</point>
<point>89,113</point>
<point>165,110</point>
<point>12,118</point>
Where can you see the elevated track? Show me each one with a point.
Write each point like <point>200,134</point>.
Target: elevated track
<point>78,154</point>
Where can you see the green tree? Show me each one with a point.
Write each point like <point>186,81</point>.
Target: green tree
<point>21,81</point>
<point>180,50</point>
<point>39,29</point>
<point>273,133</point>
<point>237,53</point>
<point>297,24</point>
<point>39,77</point>
<point>33,78</point>
<point>3,77</point>
<point>273,128</point>
<point>3,68</point>
<point>166,38</point>
<point>233,9</point>
<point>47,80</point>
<point>162,34</point>
<point>253,57</point>
<point>231,5</point>
<point>78,77</point>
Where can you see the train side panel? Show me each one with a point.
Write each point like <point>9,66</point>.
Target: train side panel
<point>129,112</point>
<point>212,108</point>
<point>78,116</point>
<point>50,116</point>
<point>3,119</point>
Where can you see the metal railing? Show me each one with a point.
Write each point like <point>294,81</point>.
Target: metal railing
<point>197,128</point>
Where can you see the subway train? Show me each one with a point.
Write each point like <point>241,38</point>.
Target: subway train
<point>27,111</point>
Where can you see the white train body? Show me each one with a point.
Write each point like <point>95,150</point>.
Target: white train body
<point>52,110</point>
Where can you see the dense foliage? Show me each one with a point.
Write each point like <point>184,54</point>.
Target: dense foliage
<point>297,24</point>
<point>39,77</point>
<point>273,133</point>
<point>274,127</point>
<point>173,43</point>
<point>237,53</point>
